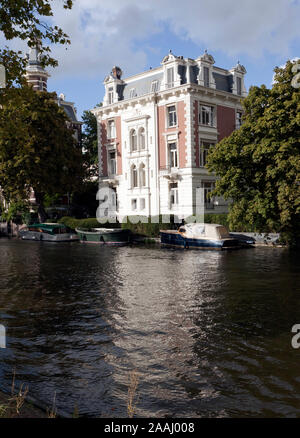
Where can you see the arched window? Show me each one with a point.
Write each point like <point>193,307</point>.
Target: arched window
<point>142,142</point>
<point>134,177</point>
<point>133,140</point>
<point>142,175</point>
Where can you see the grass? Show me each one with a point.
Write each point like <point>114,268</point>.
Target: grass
<point>132,397</point>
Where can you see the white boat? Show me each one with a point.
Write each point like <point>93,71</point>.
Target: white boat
<point>48,233</point>
<point>199,236</point>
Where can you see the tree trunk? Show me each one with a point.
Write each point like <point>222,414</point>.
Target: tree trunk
<point>39,199</point>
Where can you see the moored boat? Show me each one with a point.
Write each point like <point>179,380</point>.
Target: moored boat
<point>48,233</point>
<point>199,236</point>
<point>105,236</point>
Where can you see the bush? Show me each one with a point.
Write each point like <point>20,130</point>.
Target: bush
<point>146,226</point>
<point>85,224</point>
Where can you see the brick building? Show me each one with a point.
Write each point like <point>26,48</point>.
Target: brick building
<point>155,129</point>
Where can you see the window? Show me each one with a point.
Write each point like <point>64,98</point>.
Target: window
<point>142,204</point>
<point>133,204</point>
<point>111,129</point>
<point>154,87</point>
<point>110,95</point>
<point>204,149</point>
<point>206,76</point>
<point>172,116</point>
<point>206,115</point>
<point>112,163</point>
<point>173,195</point>
<point>134,177</point>
<point>239,121</point>
<point>173,156</point>
<point>132,93</point>
<point>142,143</point>
<point>142,175</point>
<point>133,140</point>
<point>208,188</point>
<point>170,77</point>
<point>239,86</point>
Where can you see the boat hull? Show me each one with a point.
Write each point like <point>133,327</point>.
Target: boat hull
<point>108,237</point>
<point>179,241</point>
<point>44,237</point>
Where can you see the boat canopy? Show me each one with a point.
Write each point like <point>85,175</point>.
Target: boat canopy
<point>210,231</point>
<point>50,228</point>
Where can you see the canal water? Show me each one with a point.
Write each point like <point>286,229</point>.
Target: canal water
<point>207,334</point>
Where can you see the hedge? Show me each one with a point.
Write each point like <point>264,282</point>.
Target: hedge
<point>85,224</point>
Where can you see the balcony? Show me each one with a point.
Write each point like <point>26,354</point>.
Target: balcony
<point>171,173</point>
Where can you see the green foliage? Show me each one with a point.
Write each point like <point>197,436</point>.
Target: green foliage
<point>84,224</point>
<point>27,20</point>
<point>90,143</point>
<point>37,149</point>
<point>17,212</point>
<point>211,218</point>
<point>146,226</point>
<point>259,164</point>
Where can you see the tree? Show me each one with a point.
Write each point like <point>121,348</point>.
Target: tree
<point>37,147</point>
<point>25,19</point>
<point>90,143</point>
<point>258,165</point>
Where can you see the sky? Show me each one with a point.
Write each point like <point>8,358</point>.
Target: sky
<point>136,35</point>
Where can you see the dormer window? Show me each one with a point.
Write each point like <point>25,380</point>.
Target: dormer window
<point>132,93</point>
<point>239,86</point>
<point>206,77</point>
<point>154,87</point>
<point>110,95</point>
<point>170,77</point>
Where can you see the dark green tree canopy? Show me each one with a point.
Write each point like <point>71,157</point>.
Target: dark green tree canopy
<point>27,20</point>
<point>37,148</point>
<point>259,164</point>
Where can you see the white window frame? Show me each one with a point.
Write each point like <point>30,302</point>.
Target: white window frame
<point>174,117</point>
<point>206,78</point>
<point>133,140</point>
<point>154,86</point>
<point>142,138</point>
<point>110,95</point>
<point>170,79</point>
<point>173,194</point>
<point>111,129</point>
<point>134,204</point>
<point>142,175</point>
<point>132,93</point>
<point>238,119</point>
<point>112,163</point>
<point>173,157</point>
<point>134,177</point>
<point>211,114</point>
<point>205,146</point>
<point>208,187</point>
<point>239,85</point>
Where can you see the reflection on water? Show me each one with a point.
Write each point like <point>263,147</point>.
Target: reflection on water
<point>208,333</point>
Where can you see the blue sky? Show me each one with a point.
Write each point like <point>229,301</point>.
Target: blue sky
<point>136,35</point>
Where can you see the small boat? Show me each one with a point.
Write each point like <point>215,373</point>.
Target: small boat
<point>105,236</point>
<point>199,236</point>
<point>48,233</point>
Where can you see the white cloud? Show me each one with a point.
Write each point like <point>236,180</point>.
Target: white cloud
<point>106,33</point>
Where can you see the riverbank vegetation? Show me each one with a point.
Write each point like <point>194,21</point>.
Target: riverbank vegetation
<point>259,164</point>
<point>37,148</point>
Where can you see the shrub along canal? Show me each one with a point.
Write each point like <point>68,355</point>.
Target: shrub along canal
<point>207,334</point>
